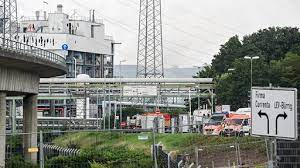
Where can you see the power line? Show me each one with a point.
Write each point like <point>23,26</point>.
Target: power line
<point>130,30</point>
<point>200,17</point>
<point>176,28</point>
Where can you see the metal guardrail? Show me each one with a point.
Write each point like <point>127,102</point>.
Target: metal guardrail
<point>33,51</point>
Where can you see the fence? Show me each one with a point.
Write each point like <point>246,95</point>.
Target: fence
<point>18,47</point>
<point>82,149</point>
<point>288,152</point>
<point>246,154</point>
<point>166,160</point>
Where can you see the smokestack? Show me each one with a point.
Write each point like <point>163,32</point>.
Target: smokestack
<point>45,15</point>
<point>59,8</point>
<point>37,14</point>
<point>93,16</point>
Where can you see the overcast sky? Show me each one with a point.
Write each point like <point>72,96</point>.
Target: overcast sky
<point>193,30</point>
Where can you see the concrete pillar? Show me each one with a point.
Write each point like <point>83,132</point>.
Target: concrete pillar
<point>2,128</point>
<point>30,127</point>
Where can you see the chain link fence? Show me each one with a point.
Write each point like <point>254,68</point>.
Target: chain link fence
<point>246,154</point>
<point>82,149</point>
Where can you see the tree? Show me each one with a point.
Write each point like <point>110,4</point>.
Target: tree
<point>271,43</point>
<point>226,56</point>
<point>206,72</point>
<point>286,72</point>
<point>279,64</point>
<point>233,87</point>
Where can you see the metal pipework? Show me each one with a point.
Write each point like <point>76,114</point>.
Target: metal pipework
<point>126,80</point>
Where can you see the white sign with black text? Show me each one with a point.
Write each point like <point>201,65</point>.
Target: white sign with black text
<point>274,112</point>
<point>140,91</point>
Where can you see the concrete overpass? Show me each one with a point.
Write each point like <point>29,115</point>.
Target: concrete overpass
<point>21,67</point>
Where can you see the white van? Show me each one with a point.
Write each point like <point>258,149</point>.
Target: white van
<point>246,111</point>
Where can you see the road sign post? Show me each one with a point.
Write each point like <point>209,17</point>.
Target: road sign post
<point>274,113</point>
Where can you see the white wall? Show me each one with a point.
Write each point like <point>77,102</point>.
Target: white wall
<point>57,23</point>
<point>56,33</point>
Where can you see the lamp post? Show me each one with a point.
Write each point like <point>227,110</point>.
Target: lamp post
<point>251,58</point>
<point>121,93</point>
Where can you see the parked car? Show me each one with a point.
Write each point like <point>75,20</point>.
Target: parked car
<point>236,125</point>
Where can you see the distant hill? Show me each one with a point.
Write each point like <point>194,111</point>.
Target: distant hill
<point>129,71</point>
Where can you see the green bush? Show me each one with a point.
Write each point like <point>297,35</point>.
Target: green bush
<point>18,161</point>
<point>120,157</point>
<point>67,162</point>
<point>97,165</point>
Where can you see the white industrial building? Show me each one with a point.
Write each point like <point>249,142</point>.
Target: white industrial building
<point>81,40</point>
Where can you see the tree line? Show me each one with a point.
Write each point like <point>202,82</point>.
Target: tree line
<point>278,49</point>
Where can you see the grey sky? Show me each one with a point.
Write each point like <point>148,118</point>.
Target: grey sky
<point>193,29</point>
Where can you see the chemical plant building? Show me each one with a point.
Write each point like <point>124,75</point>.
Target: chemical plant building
<point>81,40</point>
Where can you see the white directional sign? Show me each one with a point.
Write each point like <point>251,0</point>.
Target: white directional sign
<point>274,112</point>
<point>140,91</point>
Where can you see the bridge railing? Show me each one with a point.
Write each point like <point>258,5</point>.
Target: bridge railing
<point>34,51</point>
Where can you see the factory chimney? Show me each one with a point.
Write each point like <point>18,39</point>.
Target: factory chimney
<point>37,14</point>
<point>45,15</point>
<point>59,8</point>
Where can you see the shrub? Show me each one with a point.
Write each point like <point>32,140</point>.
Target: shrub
<point>18,161</point>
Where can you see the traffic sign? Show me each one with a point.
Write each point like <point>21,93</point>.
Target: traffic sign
<point>219,109</point>
<point>274,112</point>
<point>65,47</point>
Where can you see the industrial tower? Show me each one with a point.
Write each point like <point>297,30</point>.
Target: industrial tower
<point>8,20</point>
<point>150,46</point>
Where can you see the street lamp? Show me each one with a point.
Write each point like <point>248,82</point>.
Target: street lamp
<point>121,92</point>
<point>251,58</point>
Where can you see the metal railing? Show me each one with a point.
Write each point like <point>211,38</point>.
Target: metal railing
<point>85,19</point>
<point>18,47</point>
